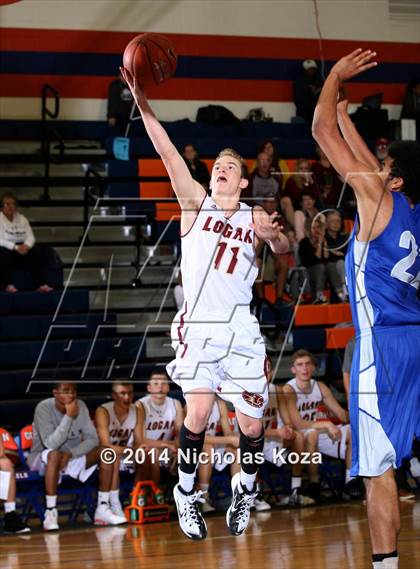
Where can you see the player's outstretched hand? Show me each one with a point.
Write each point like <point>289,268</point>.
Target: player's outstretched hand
<point>266,226</point>
<point>354,63</point>
<point>135,88</point>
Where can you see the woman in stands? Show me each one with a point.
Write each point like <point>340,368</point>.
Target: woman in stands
<point>17,248</point>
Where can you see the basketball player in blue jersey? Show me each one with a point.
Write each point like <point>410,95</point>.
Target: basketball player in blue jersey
<point>383,272</point>
<point>217,340</point>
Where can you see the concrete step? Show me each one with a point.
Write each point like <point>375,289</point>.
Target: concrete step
<point>70,193</point>
<point>98,254</point>
<point>94,277</point>
<point>131,298</point>
<point>139,322</point>
<point>159,347</point>
<point>125,234</point>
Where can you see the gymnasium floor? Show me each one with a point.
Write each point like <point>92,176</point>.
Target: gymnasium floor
<point>326,537</point>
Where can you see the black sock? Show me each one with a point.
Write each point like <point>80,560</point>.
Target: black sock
<point>190,444</point>
<point>249,447</point>
<point>381,556</point>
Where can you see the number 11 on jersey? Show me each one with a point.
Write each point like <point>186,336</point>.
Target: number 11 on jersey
<point>220,253</point>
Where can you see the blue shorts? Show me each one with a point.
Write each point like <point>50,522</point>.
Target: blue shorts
<point>384,398</point>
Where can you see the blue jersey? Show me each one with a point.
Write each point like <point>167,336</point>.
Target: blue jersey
<point>383,274</point>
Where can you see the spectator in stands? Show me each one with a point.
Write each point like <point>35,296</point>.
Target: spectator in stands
<point>120,102</point>
<point>163,419</point>
<point>381,149</point>
<point>65,442</point>
<point>337,248</point>
<point>269,262</point>
<point>306,90</point>
<point>306,214</point>
<point>301,181</point>
<point>314,411</point>
<point>279,434</point>
<point>119,424</point>
<point>315,256</point>
<point>12,522</point>
<point>219,440</point>
<point>326,179</point>
<point>313,253</point>
<point>262,182</point>
<point>17,247</point>
<point>411,103</point>
<point>198,169</point>
<point>278,166</point>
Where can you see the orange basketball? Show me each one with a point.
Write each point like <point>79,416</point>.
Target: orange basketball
<point>150,58</point>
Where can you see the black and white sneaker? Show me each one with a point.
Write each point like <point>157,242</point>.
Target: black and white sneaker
<point>237,516</point>
<point>297,498</point>
<point>190,519</point>
<point>13,524</point>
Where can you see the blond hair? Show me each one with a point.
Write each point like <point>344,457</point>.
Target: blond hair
<point>303,354</point>
<point>231,152</point>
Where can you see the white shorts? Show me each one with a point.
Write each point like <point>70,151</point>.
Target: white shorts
<point>76,467</point>
<point>227,357</point>
<point>336,449</point>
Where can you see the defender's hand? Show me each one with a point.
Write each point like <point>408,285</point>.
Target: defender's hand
<point>354,63</point>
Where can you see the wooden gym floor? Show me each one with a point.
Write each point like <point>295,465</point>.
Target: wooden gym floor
<point>327,537</point>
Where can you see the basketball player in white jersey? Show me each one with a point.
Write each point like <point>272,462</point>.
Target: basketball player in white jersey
<point>280,433</point>
<point>226,442</point>
<point>163,418</point>
<point>304,395</point>
<point>217,341</point>
<point>119,424</point>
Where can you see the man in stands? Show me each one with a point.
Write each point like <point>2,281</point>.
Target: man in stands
<point>163,419</point>
<point>280,433</point>
<point>304,396</point>
<point>17,247</point>
<point>198,169</point>
<point>65,442</point>
<point>12,522</point>
<point>306,90</point>
<point>262,181</point>
<point>119,424</point>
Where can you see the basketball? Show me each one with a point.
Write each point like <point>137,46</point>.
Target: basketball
<point>150,58</point>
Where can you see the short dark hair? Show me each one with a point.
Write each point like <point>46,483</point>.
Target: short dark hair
<point>57,384</point>
<point>9,196</point>
<point>405,156</point>
<point>303,354</point>
<point>158,372</point>
<point>123,382</point>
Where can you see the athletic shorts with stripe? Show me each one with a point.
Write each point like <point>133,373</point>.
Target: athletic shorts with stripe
<point>384,398</point>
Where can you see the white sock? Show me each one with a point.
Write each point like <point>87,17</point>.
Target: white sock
<point>348,475</point>
<point>390,563</point>
<point>9,507</point>
<point>377,565</point>
<point>204,487</point>
<point>248,480</point>
<point>296,482</point>
<point>103,499</point>
<point>114,497</point>
<point>51,502</point>
<point>186,480</point>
